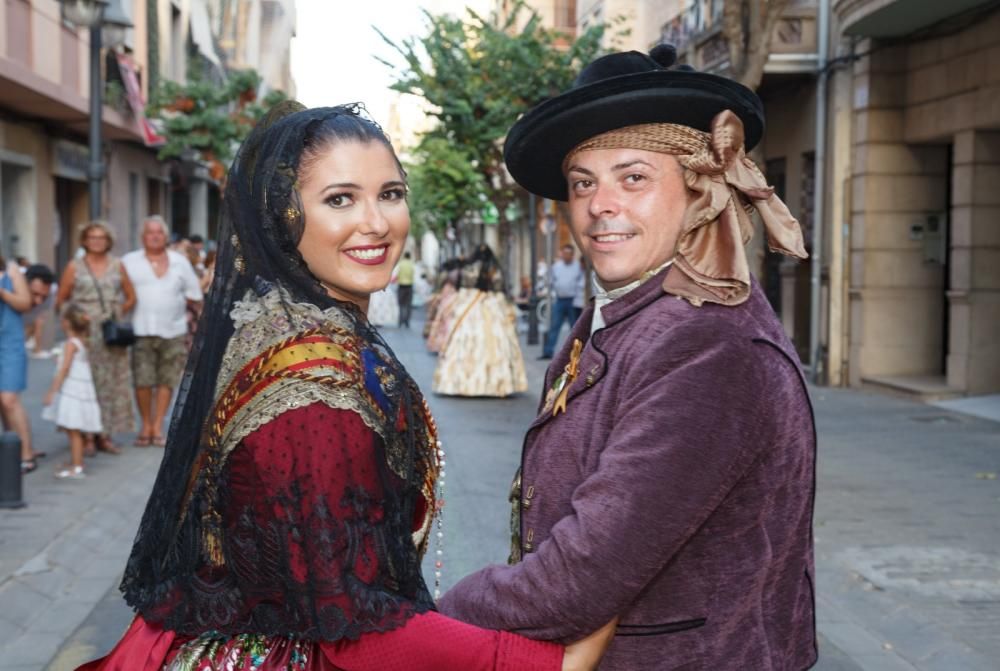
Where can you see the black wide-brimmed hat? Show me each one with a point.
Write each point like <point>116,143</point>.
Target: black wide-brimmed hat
<point>616,91</point>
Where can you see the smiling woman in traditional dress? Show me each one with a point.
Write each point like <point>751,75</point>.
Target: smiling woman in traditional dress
<point>288,520</point>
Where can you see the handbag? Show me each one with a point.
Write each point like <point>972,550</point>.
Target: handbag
<point>115,333</point>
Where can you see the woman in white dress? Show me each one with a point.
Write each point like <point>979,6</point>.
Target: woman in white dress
<point>383,308</point>
<point>71,401</point>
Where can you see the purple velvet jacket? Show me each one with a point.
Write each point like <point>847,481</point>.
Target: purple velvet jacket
<point>676,491</point>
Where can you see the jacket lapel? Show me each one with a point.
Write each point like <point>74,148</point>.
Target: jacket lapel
<point>594,360</point>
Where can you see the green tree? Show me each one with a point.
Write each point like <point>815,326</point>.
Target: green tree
<point>445,185</point>
<point>479,75</point>
<point>208,117</point>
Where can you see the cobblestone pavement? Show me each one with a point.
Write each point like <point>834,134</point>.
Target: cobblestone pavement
<point>907,529</point>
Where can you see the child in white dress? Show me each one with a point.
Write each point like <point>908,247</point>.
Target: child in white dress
<point>71,401</point>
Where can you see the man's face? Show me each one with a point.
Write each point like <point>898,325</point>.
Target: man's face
<point>567,254</point>
<point>154,238</point>
<point>626,210</point>
<point>39,291</point>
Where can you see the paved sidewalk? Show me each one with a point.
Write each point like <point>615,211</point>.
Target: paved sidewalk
<point>907,529</point>
<point>61,554</point>
<point>908,533</point>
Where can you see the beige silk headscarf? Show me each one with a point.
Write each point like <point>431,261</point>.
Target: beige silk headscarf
<point>727,187</point>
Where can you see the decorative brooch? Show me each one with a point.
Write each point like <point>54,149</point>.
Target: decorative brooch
<point>558,394</point>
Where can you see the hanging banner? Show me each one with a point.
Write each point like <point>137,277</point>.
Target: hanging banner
<point>134,94</point>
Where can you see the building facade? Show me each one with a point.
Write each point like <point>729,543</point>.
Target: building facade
<point>922,278</point>
<point>44,113</point>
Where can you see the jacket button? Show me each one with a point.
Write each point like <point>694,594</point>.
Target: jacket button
<point>530,492</point>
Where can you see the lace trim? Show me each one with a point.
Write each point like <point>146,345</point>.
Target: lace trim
<point>262,321</point>
<point>290,394</point>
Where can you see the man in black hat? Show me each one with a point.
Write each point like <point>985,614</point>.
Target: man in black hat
<point>668,479</point>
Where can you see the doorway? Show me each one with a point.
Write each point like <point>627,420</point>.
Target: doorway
<point>72,206</point>
<point>17,211</point>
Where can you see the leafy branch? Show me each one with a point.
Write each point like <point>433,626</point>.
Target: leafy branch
<point>209,118</point>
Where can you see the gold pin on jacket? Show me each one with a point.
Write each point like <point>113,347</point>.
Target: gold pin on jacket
<point>569,374</point>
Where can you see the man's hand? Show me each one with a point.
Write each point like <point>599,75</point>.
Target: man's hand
<point>585,654</point>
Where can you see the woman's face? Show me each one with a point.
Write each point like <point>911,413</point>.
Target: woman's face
<point>356,218</point>
<point>96,241</point>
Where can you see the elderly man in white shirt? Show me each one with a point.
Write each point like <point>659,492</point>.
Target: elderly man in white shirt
<point>165,283</point>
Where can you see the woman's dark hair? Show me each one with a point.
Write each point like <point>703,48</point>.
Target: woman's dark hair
<point>320,134</point>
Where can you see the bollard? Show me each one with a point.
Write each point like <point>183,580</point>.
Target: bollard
<point>10,471</point>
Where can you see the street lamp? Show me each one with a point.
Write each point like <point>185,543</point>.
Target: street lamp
<point>95,14</point>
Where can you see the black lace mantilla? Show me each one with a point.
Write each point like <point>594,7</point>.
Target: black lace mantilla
<point>295,571</point>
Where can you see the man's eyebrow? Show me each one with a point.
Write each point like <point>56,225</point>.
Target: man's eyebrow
<point>629,164</point>
<point>614,168</point>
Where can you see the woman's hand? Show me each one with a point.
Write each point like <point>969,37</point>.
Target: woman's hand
<point>585,654</point>
<point>50,396</point>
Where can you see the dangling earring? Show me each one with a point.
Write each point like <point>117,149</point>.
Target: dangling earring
<point>238,262</point>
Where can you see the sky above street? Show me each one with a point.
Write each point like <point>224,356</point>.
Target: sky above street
<point>333,52</point>
<point>334,46</point>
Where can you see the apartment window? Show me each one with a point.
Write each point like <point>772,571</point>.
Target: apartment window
<point>565,13</point>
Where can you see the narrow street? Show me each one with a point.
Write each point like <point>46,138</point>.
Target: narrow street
<point>907,528</point>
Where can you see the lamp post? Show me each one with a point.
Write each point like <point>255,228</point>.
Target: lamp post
<point>95,15</point>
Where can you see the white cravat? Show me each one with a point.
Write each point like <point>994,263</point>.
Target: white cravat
<point>602,297</point>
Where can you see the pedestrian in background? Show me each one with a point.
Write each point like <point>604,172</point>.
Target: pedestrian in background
<point>565,281</point>
<point>99,284</point>
<point>193,310</point>
<point>166,287</point>
<point>197,247</point>
<point>206,278</point>
<point>404,289</point>
<point>71,401</point>
<point>42,287</point>
<point>15,299</point>
<point>580,299</point>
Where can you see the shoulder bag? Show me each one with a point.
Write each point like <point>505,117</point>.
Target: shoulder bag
<point>115,333</point>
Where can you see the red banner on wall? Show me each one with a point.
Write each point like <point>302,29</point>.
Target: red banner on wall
<point>133,91</point>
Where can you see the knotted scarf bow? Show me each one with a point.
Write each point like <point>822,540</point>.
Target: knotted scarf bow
<point>710,260</point>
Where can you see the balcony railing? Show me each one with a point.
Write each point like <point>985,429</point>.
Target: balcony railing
<point>697,33</point>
